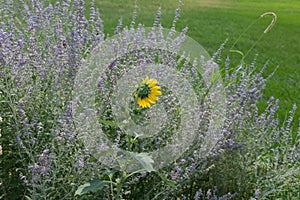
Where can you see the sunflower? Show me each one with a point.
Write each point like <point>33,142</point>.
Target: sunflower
<point>146,93</point>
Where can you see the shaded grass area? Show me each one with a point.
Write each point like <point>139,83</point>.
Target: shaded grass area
<point>211,22</point>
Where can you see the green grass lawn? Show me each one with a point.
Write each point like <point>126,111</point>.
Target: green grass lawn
<point>210,22</point>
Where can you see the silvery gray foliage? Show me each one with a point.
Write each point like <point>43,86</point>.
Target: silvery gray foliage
<point>267,151</point>
<point>41,50</point>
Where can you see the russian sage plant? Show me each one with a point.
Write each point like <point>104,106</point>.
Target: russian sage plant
<point>168,121</point>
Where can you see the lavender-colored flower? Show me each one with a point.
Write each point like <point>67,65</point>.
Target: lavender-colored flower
<point>43,167</point>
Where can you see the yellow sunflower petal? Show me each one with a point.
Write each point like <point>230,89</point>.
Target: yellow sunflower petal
<point>140,102</point>
<point>153,97</point>
<point>147,103</point>
<point>155,87</point>
<point>152,82</point>
<point>156,92</point>
<point>151,100</point>
<point>146,80</point>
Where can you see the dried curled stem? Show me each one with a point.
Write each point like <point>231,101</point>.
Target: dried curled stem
<point>272,22</point>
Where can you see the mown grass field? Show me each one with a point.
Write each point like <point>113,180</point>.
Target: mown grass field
<point>210,22</point>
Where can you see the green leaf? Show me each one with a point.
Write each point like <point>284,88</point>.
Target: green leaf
<point>110,173</point>
<point>26,197</point>
<point>91,186</point>
<point>146,161</point>
<point>237,51</point>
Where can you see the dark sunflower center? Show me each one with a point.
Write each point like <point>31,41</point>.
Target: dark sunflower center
<point>143,91</point>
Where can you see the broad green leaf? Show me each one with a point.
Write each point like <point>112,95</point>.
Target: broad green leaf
<point>146,161</point>
<point>91,186</point>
